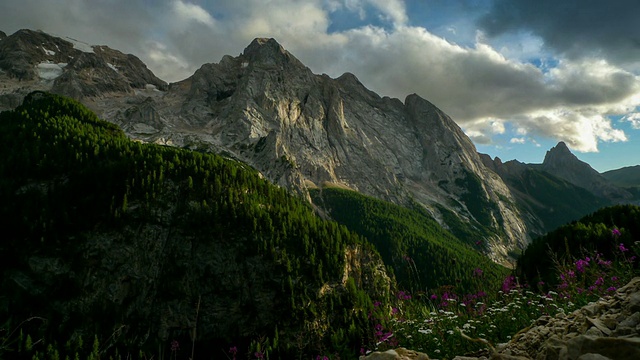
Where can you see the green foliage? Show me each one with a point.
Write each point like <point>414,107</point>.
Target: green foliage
<point>482,209</point>
<point>421,253</point>
<point>76,190</point>
<point>591,236</point>
<point>435,325</point>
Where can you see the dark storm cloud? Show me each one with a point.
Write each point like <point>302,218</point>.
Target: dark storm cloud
<point>575,28</point>
<point>121,24</point>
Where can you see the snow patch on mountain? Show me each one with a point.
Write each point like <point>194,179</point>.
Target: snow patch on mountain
<point>50,71</point>
<point>79,45</point>
<point>48,52</point>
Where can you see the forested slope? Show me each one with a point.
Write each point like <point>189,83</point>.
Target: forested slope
<point>608,234</point>
<point>421,253</point>
<point>140,244</point>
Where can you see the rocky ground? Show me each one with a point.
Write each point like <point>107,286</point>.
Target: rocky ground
<point>608,329</point>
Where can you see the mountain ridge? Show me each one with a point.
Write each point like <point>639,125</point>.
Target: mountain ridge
<point>299,130</point>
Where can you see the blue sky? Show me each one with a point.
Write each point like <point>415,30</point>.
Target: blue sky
<point>516,75</point>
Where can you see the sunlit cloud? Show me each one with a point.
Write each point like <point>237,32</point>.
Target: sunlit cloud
<point>511,80</point>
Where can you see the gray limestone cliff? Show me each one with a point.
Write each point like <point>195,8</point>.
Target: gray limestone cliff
<point>299,129</point>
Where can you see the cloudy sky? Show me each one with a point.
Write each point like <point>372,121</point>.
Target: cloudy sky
<point>517,75</point>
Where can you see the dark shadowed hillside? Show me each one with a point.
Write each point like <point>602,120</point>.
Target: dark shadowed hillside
<point>139,245</point>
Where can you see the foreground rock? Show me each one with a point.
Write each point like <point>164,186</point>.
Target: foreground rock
<point>608,329</point>
<point>397,354</point>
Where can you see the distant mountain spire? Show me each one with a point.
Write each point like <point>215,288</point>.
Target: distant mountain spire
<point>561,162</point>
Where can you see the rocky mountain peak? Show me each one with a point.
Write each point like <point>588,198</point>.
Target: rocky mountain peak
<point>559,154</point>
<point>268,51</point>
<point>71,67</point>
<point>561,162</point>
<point>21,53</point>
<point>560,157</point>
<point>2,35</point>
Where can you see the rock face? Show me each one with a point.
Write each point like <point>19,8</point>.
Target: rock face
<point>397,354</point>
<point>39,61</point>
<point>300,130</point>
<point>607,329</point>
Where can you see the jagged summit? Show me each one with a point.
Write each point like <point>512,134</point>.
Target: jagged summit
<point>561,162</point>
<point>559,155</point>
<point>300,130</point>
<point>559,158</point>
<point>264,43</point>
<point>268,51</point>
<point>70,67</point>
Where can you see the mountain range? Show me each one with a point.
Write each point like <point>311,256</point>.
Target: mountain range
<point>304,131</point>
<point>254,203</point>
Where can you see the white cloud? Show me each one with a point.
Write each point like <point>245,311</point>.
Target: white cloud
<point>634,119</point>
<point>581,131</point>
<point>394,10</point>
<point>482,86</point>
<point>163,62</point>
<point>517,140</point>
<point>497,127</point>
<point>191,12</point>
